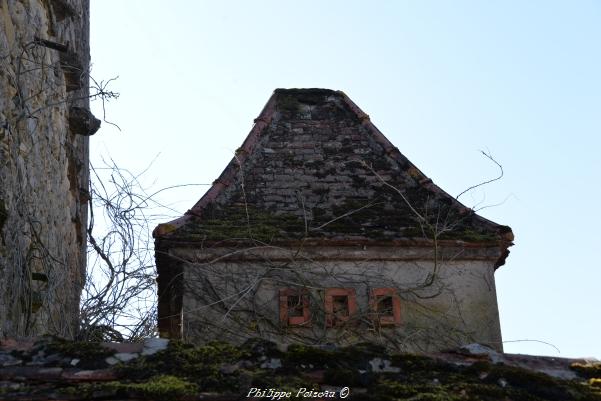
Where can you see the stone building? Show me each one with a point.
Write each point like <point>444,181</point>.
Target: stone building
<point>320,231</point>
<point>44,124</point>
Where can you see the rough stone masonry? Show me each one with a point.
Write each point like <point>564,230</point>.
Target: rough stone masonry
<point>44,127</point>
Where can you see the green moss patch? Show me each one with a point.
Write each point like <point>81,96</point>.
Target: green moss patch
<point>58,351</point>
<point>200,365</point>
<point>163,387</point>
<point>77,349</point>
<point>240,223</point>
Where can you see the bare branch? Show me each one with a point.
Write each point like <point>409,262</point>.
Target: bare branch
<point>489,157</point>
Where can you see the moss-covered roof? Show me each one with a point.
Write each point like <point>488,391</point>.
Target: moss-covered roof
<point>53,369</point>
<point>314,166</point>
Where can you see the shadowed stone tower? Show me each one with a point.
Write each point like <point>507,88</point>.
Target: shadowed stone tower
<point>44,127</point>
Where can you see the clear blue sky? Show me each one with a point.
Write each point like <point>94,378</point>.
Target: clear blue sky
<point>440,79</point>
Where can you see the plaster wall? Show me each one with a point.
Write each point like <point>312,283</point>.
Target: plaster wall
<point>44,60</point>
<point>235,300</point>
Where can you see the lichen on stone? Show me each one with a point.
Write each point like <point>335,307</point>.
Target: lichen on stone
<point>589,370</point>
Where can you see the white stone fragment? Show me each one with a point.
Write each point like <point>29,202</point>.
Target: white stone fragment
<point>154,345</point>
<point>383,365</point>
<point>479,349</point>
<point>272,363</point>
<point>111,360</point>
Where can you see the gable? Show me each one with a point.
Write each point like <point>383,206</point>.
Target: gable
<point>314,167</point>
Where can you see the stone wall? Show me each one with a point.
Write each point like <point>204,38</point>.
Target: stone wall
<point>44,124</point>
<point>235,295</point>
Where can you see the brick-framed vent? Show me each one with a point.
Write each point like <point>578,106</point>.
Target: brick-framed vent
<point>294,307</point>
<point>386,306</point>
<point>341,305</point>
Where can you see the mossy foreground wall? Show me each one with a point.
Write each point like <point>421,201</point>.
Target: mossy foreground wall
<point>257,370</point>
<point>44,59</point>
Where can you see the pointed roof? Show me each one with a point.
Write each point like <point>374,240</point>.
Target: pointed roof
<point>314,167</point>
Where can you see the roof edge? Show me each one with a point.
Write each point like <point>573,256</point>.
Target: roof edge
<point>228,174</point>
<point>424,180</point>
<point>308,243</point>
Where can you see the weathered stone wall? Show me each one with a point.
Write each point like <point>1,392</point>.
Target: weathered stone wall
<point>237,300</point>
<point>44,98</point>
